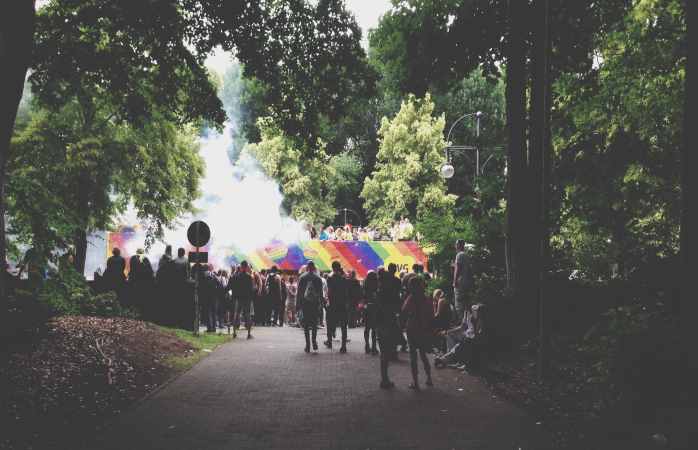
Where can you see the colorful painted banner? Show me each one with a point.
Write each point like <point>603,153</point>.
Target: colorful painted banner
<point>360,256</point>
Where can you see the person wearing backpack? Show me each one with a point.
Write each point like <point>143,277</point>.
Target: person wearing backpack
<point>419,313</point>
<point>309,301</point>
<point>338,308</point>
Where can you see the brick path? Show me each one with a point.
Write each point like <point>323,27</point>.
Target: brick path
<point>267,393</point>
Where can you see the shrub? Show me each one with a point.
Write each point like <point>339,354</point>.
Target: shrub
<point>67,293</point>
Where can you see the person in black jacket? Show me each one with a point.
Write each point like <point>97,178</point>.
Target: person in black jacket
<point>338,308</point>
<point>242,289</point>
<point>114,277</point>
<point>309,301</point>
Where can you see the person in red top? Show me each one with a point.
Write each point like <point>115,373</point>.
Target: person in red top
<point>418,311</point>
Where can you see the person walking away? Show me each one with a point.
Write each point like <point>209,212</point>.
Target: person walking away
<point>309,301</point>
<point>135,281</point>
<point>418,311</point>
<point>242,289</point>
<point>208,294</point>
<point>148,296</point>
<point>264,310</point>
<point>461,279</point>
<point>354,299</point>
<point>275,296</point>
<point>182,308</point>
<point>385,326</point>
<point>114,276</point>
<point>292,288</point>
<point>338,308</point>
<point>164,287</point>
<point>323,303</point>
<point>389,293</point>
<point>370,311</point>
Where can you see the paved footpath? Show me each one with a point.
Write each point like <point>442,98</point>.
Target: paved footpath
<point>266,393</point>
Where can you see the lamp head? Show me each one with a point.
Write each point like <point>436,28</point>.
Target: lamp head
<point>447,170</point>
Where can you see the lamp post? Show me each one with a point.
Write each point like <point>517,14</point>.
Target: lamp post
<point>447,170</point>
<point>345,211</point>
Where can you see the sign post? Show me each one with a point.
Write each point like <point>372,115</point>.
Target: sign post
<point>198,234</point>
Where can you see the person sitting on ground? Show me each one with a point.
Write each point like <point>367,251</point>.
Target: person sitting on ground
<point>442,314</point>
<point>418,311</point>
<point>462,341</point>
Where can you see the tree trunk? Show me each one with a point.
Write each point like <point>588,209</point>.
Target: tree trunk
<point>80,251</point>
<point>516,128</point>
<point>16,39</point>
<point>540,167</point>
<point>689,292</point>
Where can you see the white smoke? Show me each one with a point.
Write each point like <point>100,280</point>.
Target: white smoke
<point>240,203</point>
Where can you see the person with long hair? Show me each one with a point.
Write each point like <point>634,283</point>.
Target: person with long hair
<point>418,311</point>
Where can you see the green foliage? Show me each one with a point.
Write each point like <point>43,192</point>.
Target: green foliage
<point>345,179</point>
<point>68,176</point>
<point>406,180</point>
<point>304,181</point>
<point>135,55</point>
<point>314,72</point>
<point>618,136</point>
<point>605,341</point>
<point>67,293</point>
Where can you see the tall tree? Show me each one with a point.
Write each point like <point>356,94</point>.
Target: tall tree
<point>16,31</point>
<point>406,180</point>
<point>68,179</point>
<point>689,292</point>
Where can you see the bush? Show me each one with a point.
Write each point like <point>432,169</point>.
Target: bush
<point>67,293</point>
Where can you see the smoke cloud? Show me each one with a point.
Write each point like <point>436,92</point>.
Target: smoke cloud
<point>240,203</point>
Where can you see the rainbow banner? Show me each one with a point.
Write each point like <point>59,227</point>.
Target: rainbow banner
<point>359,256</point>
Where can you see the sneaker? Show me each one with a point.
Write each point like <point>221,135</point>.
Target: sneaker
<point>343,350</point>
<point>315,346</point>
<point>387,385</point>
<point>307,349</point>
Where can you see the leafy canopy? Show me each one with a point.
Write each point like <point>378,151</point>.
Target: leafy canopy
<point>406,180</point>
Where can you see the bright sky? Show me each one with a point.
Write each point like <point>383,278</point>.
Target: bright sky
<point>367,13</point>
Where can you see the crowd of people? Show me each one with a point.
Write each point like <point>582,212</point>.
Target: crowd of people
<point>393,308</point>
<point>400,231</point>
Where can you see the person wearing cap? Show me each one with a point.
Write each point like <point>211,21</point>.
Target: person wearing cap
<point>309,300</point>
<point>461,279</point>
<point>338,307</point>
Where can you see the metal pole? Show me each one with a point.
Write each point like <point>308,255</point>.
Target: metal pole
<point>196,285</point>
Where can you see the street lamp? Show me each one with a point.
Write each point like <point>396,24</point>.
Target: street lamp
<point>345,211</point>
<point>447,170</point>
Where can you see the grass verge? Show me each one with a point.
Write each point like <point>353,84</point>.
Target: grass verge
<point>203,344</point>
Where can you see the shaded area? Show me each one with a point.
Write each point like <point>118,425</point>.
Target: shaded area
<point>267,393</point>
<point>82,371</point>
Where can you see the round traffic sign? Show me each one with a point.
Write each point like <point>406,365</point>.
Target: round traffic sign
<point>198,233</point>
